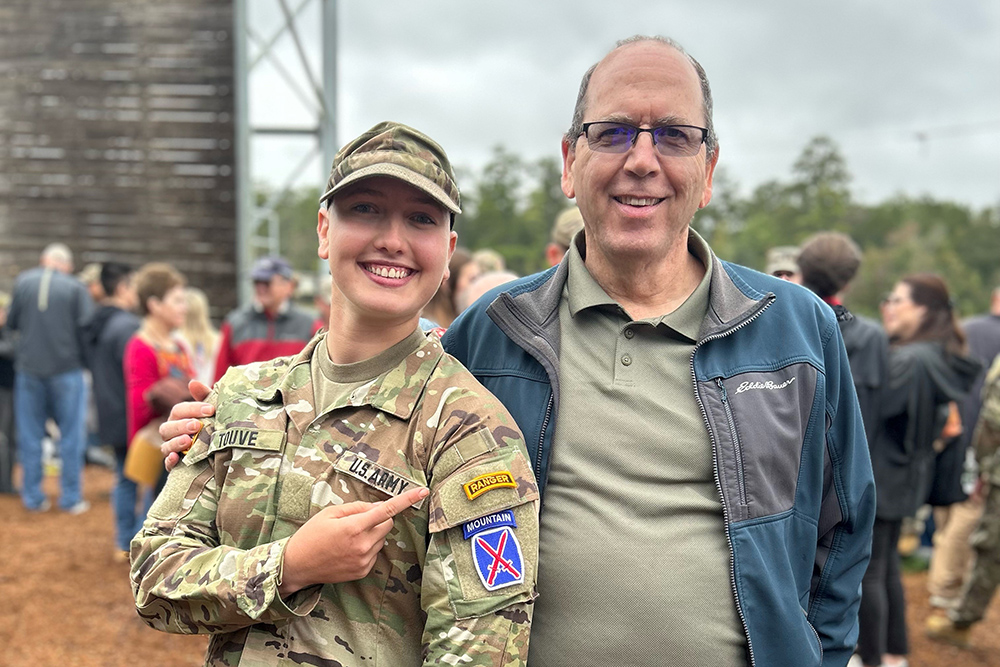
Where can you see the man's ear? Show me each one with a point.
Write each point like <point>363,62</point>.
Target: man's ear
<point>706,195</point>
<point>323,231</point>
<point>569,157</point>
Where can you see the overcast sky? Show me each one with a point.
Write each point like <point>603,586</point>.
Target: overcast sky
<point>909,89</point>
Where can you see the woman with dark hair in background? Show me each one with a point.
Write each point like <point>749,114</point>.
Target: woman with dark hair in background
<point>928,368</point>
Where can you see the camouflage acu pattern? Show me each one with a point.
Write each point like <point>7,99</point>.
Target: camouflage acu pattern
<point>986,437</point>
<point>985,576</point>
<point>394,149</point>
<point>209,557</point>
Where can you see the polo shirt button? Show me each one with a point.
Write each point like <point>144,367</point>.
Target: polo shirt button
<point>629,333</point>
<point>626,360</point>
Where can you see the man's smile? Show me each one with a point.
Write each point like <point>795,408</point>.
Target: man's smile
<point>388,271</point>
<point>629,200</point>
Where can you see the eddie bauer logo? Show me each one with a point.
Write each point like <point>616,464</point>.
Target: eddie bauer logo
<point>747,386</point>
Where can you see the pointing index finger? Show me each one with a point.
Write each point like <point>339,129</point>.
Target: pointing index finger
<point>387,510</point>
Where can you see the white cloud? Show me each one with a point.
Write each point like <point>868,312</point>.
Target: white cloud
<point>870,75</point>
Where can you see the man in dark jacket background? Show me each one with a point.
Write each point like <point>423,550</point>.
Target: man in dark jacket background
<point>827,263</point>
<point>49,310</point>
<point>106,336</point>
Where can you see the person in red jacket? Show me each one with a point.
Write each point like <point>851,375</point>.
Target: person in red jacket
<point>152,355</point>
<point>272,326</point>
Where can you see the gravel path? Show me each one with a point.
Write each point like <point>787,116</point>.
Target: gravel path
<point>65,600</point>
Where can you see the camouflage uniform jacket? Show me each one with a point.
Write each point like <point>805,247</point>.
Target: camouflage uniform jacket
<point>986,438</point>
<point>209,557</point>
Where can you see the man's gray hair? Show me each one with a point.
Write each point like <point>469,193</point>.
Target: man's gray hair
<point>58,253</point>
<point>711,141</point>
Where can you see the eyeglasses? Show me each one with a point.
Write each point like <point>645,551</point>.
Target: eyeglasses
<point>671,140</point>
<point>893,300</point>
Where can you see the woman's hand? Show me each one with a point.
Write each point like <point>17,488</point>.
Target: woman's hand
<point>183,424</point>
<point>341,542</point>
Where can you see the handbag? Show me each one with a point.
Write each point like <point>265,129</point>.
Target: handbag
<point>144,460</point>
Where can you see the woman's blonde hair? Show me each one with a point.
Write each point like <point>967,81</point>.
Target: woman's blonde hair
<point>198,329</point>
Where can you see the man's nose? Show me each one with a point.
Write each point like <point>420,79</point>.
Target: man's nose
<point>643,158</point>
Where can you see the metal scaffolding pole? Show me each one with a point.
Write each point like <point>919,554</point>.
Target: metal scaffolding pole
<point>258,222</point>
<point>328,127</point>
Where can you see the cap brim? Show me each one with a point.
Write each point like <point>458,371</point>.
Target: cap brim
<point>395,171</point>
<point>787,268</point>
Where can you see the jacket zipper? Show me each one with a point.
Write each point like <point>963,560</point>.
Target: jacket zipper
<point>541,439</point>
<point>737,448</point>
<point>715,471</point>
<point>816,634</point>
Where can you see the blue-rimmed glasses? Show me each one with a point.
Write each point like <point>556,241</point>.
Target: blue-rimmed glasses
<point>671,140</point>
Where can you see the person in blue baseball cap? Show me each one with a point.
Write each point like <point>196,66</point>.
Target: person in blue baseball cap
<point>269,327</point>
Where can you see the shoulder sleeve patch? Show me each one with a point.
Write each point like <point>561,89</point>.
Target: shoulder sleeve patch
<point>487,545</point>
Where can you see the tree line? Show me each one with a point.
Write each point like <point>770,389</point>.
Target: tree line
<point>509,206</point>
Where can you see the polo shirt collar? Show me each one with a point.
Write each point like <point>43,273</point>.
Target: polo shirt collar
<point>583,292</point>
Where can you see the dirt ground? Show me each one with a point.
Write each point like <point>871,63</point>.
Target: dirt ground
<point>65,601</point>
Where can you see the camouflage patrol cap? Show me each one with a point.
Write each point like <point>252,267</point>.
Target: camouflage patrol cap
<point>782,259</point>
<point>567,224</point>
<point>399,151</point>
<point>90,274</point>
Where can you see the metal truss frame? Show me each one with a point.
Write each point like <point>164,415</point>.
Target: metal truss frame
<point>258,224</point>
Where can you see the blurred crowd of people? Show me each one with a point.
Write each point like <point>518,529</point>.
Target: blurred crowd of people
<point>923,379</point>
<point>91,364</point>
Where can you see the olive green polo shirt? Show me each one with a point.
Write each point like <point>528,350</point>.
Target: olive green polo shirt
<point>634,566</point>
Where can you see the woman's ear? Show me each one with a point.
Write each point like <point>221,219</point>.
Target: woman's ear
<point>323,231</point>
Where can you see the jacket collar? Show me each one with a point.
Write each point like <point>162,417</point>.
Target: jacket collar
<point>731,300</point>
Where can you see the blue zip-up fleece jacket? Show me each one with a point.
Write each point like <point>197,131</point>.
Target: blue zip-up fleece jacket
<point>791,461</point>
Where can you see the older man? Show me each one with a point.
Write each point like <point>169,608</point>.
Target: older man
<point>269,327</point>
<point>49,310</point>
<point>708,497</point>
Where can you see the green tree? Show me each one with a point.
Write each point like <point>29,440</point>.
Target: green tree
<point>510,208</point>
<point>297,211</point>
